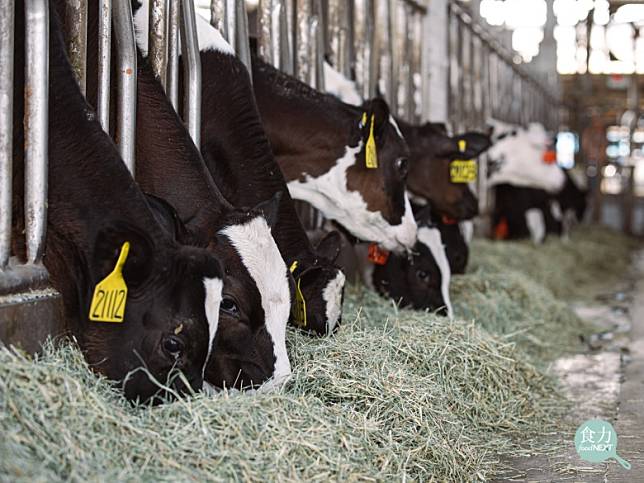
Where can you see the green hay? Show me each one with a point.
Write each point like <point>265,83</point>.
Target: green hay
<point>395,395</point>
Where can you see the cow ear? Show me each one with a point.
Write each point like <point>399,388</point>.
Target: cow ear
<point>108,247</point>
<point>329,246</point>
<point>378,110</point>
<point>475,143</point>
<point>168,218</point>
<point>270,208</point>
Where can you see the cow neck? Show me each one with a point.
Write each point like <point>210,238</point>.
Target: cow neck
<point>237,152</point>
<point>169,165</point>
<point>308,130</point>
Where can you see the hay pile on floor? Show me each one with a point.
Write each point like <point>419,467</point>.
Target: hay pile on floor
<point>516,288</point>
<point>395,394</point>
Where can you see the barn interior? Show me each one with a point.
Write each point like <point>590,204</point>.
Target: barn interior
<point>530,366</point>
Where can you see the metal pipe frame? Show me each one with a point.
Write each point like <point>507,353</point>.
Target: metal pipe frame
<point>126,82</point>
<point>265,31</point>
<point>191,71</point>
<point>172,74</point>
<point>104,62</point>
<point>218,16</point>
<point>76,29</point>
<point>158,38</point>
<point>302,39</point>
<point>242,44</point>
<point>284,42</point>
<point>36,125</point>
<point>6,127</point>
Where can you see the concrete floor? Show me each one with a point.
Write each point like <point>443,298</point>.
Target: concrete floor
<point>605,383</point>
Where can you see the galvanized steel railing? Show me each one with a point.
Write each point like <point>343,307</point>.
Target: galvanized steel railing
<point>36,106</point>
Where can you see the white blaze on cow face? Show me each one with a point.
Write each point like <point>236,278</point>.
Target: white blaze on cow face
<point>431,237</point>
<point>209,38</point>
<point>536,224</point>
<point>261,257</point>
<point>213,288</point>
<point>467,230</point>
<point>332,296</point>
<point>329,194</point>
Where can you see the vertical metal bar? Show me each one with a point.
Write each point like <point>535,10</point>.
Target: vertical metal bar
<point>242,44</point>
<point>6,127</point>
<point>36,124</point>
<point>316,57</point>
<point>126,90</point>
<point>191,70</point>
<point>172,78</point>
<point>218,16</point>
<point>104,62</point>
<point>302,39</point>
<point>285,40</point>
<point>157,38</point>
<point>265,13</point>
<point>76,27</point>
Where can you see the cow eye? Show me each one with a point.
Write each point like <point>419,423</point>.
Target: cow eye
<point>229,306</point>
<point>422,275</point>
<point>173,345</point>
<point>402,167</point>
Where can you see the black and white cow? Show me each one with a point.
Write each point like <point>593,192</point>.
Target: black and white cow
<point>321,145</point>
<point>249,347</point>
<point>525,183</point>
<point>238,156</point>
<point>171,306</point>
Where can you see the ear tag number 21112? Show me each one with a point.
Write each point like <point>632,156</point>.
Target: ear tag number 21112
<point>110,294</point>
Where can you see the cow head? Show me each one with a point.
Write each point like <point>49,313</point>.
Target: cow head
<point>364,189</point>
<point>250,346</point>
<point>321,276</point>
<point>422,279</point>
<point>432,153</point>
<point>171,312</point>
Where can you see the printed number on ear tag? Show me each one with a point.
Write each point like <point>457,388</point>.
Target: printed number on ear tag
<point>462,171</point>
<point>371,155</point>
<point>299,309</point>
<point>110,294</point>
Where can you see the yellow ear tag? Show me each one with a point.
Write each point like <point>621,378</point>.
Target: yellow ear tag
<point>463,170</point>
<point>299,309</point>
<point>110,294</point>
<point>371,156</point>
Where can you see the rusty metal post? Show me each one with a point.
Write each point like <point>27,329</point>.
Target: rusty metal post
<point>218,16</point>
<point>266,10</point>
<point>126,90</point>
<point>6,127</point>
<point>172,75</point>
<point>76,27</point>
<point>302,40</point>
<point>191,70</point>
<point>316,57</point>
<point>36,125</point>
<point>157,38</point>
<point>104,62</point>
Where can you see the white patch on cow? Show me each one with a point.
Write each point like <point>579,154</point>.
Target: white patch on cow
<point>467,230</point>
<point>419,200</point>
<point>536,225</point>
<point>261,257</point>
<point>555,210</point>
<point>209,38</point>
<point>394,124</point>
<point>431,237</point>
<point>213,288</point>
<point>521,161</point>
<point>329,194</point>
<point>339,86</point>
<point>332,296</point>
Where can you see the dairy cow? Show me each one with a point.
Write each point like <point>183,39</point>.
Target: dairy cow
<point>239,158</point>
<point>158,316</point>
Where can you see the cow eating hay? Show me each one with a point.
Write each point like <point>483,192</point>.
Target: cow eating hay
<point>395,393</point>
